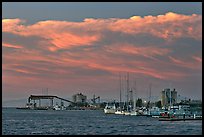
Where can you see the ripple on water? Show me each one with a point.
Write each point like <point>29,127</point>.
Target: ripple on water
<point>89,123</point>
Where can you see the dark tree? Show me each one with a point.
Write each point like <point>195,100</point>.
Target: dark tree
<point>102,105</point>
<point>158,104</point>
<point>139,102</point>
<point>148,104</point>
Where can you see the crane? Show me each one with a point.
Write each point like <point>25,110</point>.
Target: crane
<point>95,98</point>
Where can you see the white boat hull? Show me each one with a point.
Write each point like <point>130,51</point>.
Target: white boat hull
<point>119,113</point>
<point>127,113</point>
<point>109,111</point>
<point>133,113</point>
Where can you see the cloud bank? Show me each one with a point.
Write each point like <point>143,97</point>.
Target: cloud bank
<point>95,49</point>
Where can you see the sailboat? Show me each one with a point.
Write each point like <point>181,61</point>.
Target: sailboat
<point>119,111</point>
<point>134,111</point>
<point>127,112</point>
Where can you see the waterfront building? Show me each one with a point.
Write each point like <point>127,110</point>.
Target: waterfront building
<point>168,97</point>
<point>79,98</point>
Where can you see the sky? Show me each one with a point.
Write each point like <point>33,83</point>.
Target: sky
<point>83,47</point>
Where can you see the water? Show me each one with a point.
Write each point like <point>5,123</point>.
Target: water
<point>90,122</point>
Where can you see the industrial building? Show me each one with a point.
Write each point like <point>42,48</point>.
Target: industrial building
<point>168,97</point>
<point>79,98</point>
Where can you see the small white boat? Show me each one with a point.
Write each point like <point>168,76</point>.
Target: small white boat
<point>110,109</point>
<point>57,107</point>
<point>133,113</point>
<point>118,112</point>
<point>127,113</point>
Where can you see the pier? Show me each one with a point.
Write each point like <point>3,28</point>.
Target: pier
<point>50,97</point>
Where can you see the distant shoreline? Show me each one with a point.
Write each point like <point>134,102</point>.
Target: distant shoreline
<point>7,107</point>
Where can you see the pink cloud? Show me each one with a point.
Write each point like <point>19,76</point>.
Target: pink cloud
<point>11,45</point>
<point>90,60</point>
<point>111,58</point>
<point>53,31</point>
<point>12,25</point>
<point>65,34</point>
<point>66,40</point>
<point>143,50</point>
<point>168,26</point>
<point>186,64</point>
<point>199,59</point>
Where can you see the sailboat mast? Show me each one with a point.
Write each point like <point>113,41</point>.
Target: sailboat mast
<point>135,98</point>
<point>170,98</point>
<point>150,87</point>
<point>124,89</point>
<point>120,92</point>
<point>127,89</point>
<point>170,95</point>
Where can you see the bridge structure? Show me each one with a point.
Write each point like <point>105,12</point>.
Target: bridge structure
<point>50,97</point>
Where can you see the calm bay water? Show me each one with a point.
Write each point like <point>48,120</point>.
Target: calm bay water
<point>90,122</point>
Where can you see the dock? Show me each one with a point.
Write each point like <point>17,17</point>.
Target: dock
<point>179,119</point>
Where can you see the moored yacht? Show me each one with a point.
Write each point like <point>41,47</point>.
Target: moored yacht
<point>110,109</point>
